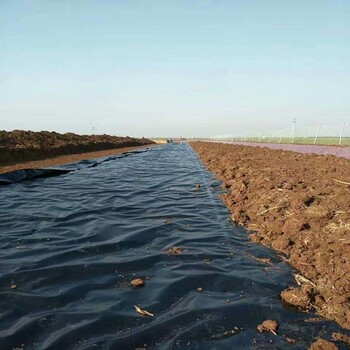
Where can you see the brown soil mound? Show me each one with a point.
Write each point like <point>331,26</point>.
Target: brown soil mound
<point>298,204</point>
<point>20,146</point>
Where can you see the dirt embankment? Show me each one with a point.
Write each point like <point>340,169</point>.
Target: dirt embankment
<point>21,146</point>
<point>297,204</point>
<point>71,158</point>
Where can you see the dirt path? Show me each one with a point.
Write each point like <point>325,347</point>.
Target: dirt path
<point>67,159</point>
<point>314,149</point>
<point>297,204</point>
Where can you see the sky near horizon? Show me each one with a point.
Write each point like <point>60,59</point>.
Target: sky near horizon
<point>173,68</point>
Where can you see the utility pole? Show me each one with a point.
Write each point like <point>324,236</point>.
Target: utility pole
<point>318,130</point>
<point>280,140</point>
<point>341,133</point>
<point>294,124</point>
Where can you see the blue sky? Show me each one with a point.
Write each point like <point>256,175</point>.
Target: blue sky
<point>170,68</point>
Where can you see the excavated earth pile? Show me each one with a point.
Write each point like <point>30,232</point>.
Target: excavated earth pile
<point>20,146</point>
<point>298,204</point>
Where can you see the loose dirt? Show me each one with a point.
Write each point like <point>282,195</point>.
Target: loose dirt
<point>20,146</point>
<point>299,205</point>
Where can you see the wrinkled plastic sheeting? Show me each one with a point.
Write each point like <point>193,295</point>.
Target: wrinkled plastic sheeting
<point>71,244</point>
<point>31,174</point>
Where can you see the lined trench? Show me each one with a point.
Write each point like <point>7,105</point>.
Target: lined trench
<point>71,244</point>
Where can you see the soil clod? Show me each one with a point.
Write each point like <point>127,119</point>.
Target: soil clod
<point>321,344</point>
<point>137,282</point>
<point>268,326</point>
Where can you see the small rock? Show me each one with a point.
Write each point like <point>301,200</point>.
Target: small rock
<point>268,326</point>
<point>138,282</point>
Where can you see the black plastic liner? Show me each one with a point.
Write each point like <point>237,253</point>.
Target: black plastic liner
<point>71,244</point>
<point>31,174</point>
